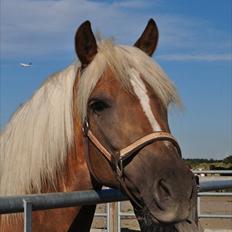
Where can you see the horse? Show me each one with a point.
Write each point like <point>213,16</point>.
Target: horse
<point>102,121</point>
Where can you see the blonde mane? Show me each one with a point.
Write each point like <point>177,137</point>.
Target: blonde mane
<point>34,144</point>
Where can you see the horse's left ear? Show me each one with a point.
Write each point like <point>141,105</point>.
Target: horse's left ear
<point>149,39</point>
<point>85,44</point>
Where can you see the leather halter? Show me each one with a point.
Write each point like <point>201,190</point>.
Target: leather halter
<point>116,158</point>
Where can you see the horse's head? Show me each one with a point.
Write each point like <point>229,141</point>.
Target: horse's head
<point>122,98</point>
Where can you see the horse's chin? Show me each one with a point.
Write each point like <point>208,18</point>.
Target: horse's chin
<point>150,223</point>
<point>151,213</point>
<point>153,225</point>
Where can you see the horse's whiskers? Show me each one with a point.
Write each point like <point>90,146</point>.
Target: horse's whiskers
<point>147,224</point>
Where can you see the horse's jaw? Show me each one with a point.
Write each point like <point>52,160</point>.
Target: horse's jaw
<point>180,227</point>
<point>148,223</point>
<point>184,226</point>
<point>188,226</point>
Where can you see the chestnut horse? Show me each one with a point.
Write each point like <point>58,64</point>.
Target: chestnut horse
<point>101,121</point>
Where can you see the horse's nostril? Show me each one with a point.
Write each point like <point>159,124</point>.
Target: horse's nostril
<point>165,190</point>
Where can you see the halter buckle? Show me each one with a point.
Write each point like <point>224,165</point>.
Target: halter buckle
<point>85,127</point>
<point>119,168</point>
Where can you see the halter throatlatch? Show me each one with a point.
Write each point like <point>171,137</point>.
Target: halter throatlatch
<point>116,158</point>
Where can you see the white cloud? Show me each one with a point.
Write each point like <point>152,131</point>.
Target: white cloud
<point>42,28</point>
<point>130,4</point>
<point>199,57</point>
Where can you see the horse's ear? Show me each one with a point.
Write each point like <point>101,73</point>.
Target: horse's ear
<point>149,39</point>
<point>85,43</point>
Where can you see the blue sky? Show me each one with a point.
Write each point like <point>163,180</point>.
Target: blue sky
<point>195,50</point>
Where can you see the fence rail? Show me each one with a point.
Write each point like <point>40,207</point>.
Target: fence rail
<point>29,203</point>
<point>212,172</point>
<point>211,194</point>
<point>13,204</point>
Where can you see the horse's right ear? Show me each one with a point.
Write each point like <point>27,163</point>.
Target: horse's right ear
<point>85,44</point>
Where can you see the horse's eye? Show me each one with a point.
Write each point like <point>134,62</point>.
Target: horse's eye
<point>98,106</point>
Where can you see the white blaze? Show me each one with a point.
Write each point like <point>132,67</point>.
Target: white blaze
<point>141,92</point>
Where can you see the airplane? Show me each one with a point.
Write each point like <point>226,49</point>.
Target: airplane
<point>26,65</point>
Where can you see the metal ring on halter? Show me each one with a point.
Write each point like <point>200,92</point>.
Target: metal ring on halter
<point>119,167</point>
<point>85,127</point>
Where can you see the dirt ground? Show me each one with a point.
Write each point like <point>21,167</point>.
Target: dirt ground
<point>216,205</point>
<point>209,205</point>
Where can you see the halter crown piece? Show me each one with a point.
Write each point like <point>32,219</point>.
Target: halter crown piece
<point>116,159</point>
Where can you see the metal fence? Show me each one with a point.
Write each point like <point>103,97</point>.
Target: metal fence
<point>217,185</point>
<point>204,191</point>
<point>29,203</point>
<point>211,194</point>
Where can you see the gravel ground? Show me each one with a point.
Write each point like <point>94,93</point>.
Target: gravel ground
<point>209,205</point>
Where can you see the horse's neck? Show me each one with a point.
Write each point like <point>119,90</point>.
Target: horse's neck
<point>75,176</point>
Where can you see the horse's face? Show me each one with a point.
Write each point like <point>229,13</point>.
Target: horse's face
<point>155,175</point>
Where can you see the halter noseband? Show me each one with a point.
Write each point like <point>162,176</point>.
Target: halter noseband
<point>117,158</point>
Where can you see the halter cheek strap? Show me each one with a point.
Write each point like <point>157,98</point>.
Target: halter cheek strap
<point>117,158</point>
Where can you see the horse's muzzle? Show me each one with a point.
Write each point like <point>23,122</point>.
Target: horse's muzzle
<point>172,196</point>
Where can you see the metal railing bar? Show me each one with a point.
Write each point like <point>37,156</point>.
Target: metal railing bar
<point>198,206</point>
<point>13,204</point>
<point>212,172</point>
<point>214,216</point>
<point>108,216</point>
<point>125,214</point>
<point>100,214</point>
<point>27,215</point>
<point>215,185</point>
<point>119,216</point>
<point>58,200</point>
<point>214,194</point>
